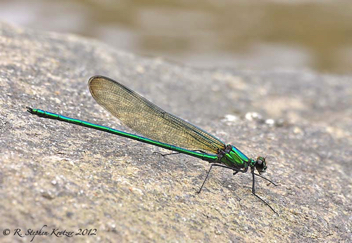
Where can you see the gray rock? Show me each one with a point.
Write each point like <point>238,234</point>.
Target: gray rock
<point>70,178</point>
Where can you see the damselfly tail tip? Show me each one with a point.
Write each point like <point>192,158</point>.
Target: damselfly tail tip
<point>29,109</point>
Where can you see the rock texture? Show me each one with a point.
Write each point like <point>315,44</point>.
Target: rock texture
<point>69,178</point>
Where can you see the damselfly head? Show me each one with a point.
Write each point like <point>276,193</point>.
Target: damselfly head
<point>260,164</point>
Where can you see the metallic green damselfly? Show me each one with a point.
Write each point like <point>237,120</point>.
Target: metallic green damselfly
<point>162,129</point>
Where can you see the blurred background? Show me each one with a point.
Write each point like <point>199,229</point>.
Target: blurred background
<point>239,34</point>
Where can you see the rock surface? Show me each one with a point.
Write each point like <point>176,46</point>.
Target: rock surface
<point>70,178</point>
